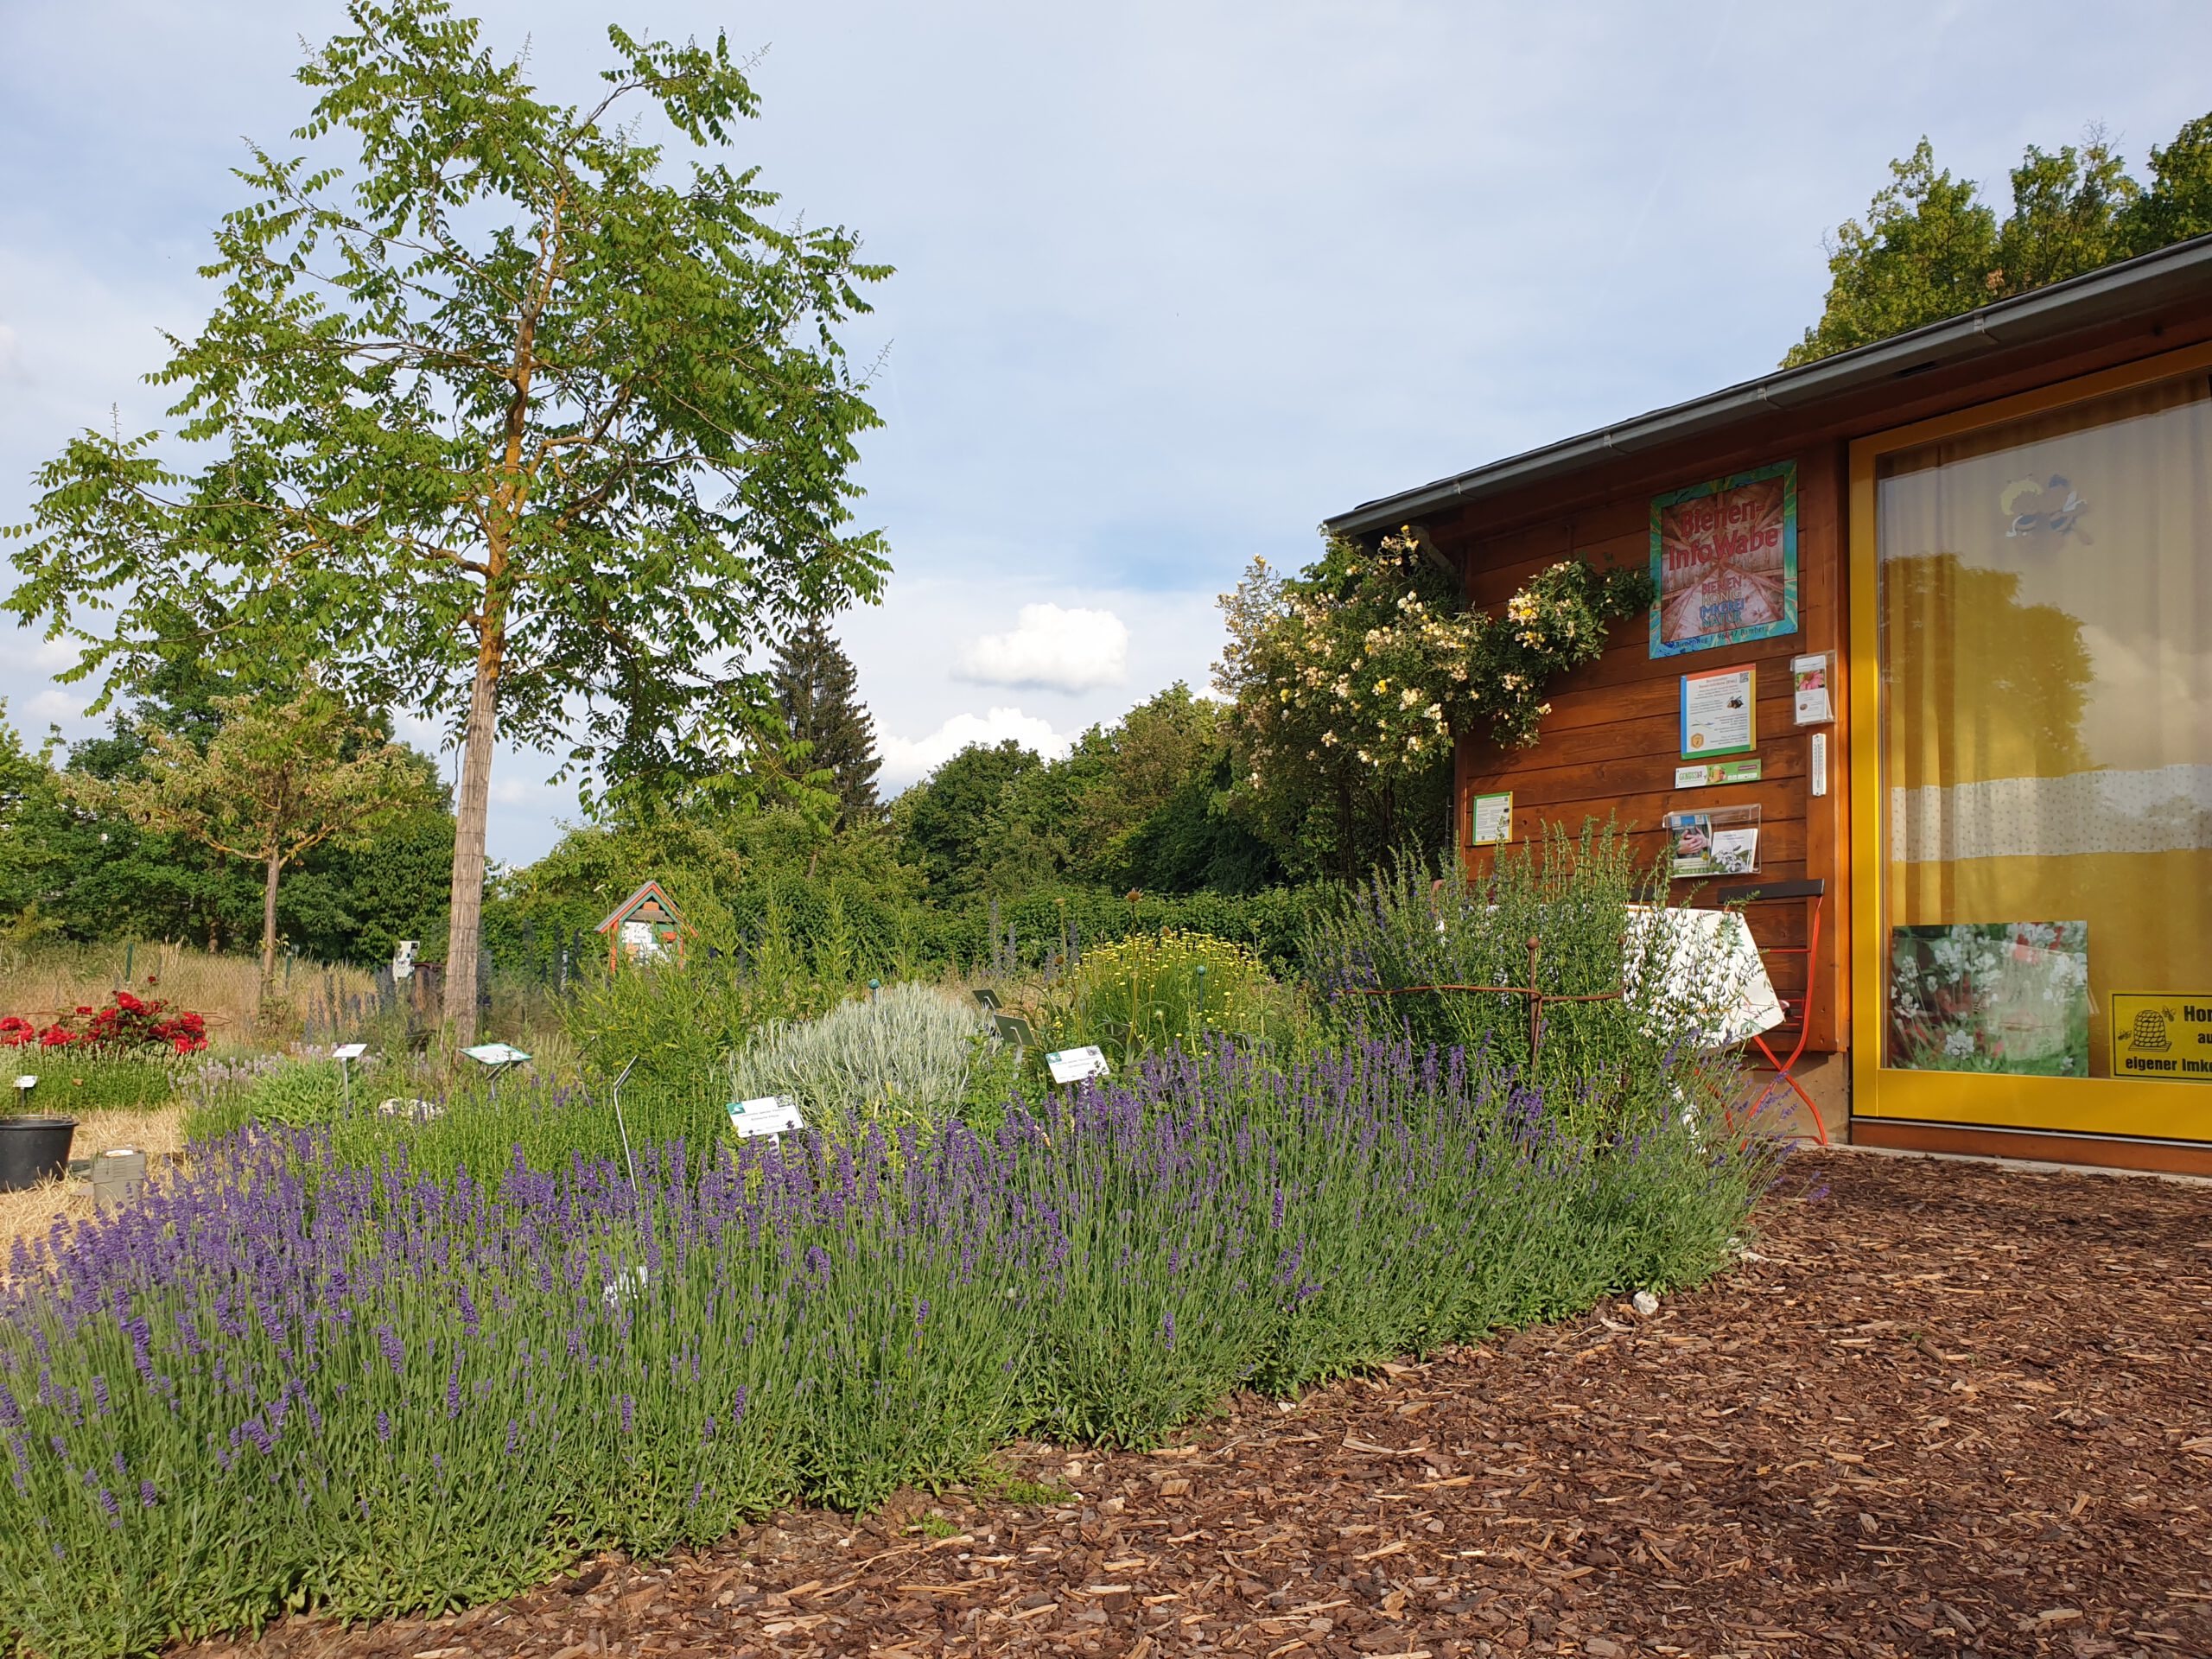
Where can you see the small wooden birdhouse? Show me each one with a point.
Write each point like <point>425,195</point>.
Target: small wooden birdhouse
<point>645,927</point>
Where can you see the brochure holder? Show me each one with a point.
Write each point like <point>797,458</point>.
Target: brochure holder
<point>1718,840</point>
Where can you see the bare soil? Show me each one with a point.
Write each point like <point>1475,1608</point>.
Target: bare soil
<point>1939,1407</point>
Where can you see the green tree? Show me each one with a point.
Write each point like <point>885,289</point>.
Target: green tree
<point>2178,203</point>
<point>1139,803</point>
<point>277,780</point>
<point>30,805</point>
<point>1929,247</point>
<point>945,823</point>
<point>818,692</point>
<point>506,426</point>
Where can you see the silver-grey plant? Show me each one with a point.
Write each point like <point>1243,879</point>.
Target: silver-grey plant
<point>904,1054</point>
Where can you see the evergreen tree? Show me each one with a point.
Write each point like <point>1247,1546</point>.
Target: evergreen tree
<point>819,692</point>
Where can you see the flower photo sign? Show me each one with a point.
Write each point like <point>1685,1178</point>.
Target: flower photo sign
<point>2009,997</point>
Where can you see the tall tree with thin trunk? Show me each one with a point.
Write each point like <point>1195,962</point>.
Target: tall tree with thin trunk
<point>507,426</point>
<point>279,777</point>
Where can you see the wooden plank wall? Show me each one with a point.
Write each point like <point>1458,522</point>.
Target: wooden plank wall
<point>1611,742</point>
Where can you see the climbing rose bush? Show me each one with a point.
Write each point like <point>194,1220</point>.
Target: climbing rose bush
<point>1373,655</point>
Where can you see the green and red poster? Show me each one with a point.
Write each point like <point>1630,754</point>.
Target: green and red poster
<point>1724,558</point>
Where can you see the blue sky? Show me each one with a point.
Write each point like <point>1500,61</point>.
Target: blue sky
<point>1174,281</point>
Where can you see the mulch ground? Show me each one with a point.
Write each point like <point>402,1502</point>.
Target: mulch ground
<point>1939,1407</point>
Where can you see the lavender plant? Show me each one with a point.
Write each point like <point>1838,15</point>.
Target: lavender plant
<point>295,1379</point>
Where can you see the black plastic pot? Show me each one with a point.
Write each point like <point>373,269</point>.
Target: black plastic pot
<point>32,1150</point>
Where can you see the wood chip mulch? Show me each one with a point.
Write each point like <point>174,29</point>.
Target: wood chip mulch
<point>1938,1408</point>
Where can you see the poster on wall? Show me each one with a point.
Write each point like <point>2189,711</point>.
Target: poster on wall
<point>1489,820</point>
<point>1724,560</point>
<point>1719,712</point>
<point>2010,997</point>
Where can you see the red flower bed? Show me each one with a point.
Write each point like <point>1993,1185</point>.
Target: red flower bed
<point>128,1023</point>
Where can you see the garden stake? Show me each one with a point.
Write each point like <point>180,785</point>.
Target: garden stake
<point>1538,999</point>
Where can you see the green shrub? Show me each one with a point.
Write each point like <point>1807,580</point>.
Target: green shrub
<point>1160,991</point>
<point>71,1085</point>
<point>1613,1058</point>
<point>907,1053</point>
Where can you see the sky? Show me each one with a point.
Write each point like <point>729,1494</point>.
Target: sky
<point>1174,282</point>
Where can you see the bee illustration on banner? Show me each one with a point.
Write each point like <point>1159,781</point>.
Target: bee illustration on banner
<point>2053,505</point>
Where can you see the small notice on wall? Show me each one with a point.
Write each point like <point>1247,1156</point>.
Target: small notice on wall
<point>1809,678</point>
<point>2162,1034</point>
<point>1721,772</point>
<point>1718,712</point>
<point>1490,820</point>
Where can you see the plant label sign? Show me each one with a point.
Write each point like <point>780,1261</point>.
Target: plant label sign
<point>349,1051</point>
<point>1076,1064</point>
<point>27,1083</point>
<point>770,1115</point>
<point>495,1054</point>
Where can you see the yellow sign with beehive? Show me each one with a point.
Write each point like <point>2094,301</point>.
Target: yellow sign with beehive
<point>2162,1035</point>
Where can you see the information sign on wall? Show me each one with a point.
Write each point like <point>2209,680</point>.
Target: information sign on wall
<point>2162,1035</point>
<point>1719,712</point>
<point>1724,559</point>
<point>1490,819</point>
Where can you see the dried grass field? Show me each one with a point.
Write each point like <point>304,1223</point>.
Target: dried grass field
<point>42,981</point>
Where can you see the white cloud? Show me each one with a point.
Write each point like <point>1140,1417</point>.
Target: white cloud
<point>905,759</point>
<point>1061,650</point>
<point>54,705</point>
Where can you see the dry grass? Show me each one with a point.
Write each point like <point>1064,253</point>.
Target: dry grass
<point>32,1214</point>
<point>41,980</point>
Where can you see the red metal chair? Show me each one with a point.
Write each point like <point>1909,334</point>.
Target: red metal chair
<point>1797,1011</point>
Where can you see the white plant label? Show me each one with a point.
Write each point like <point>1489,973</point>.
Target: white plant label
<point>496,1054</point>
<point>770,1115</point>
<point>349,1051</point>
<point>1074,1064</point>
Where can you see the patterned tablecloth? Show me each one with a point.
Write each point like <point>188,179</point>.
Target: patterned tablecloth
<point>1712,980</point>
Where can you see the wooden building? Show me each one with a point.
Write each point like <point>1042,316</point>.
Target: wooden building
<point>1997,531</point>
<point>645,927</point>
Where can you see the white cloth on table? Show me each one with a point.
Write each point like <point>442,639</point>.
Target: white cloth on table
<point>1711,981</point>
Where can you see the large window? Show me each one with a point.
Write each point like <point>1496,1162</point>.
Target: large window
<point>2044,634</point>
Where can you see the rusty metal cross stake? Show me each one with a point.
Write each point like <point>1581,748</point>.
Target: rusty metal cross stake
<point>1538,999</point>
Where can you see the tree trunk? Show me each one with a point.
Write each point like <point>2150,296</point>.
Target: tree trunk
<point>268,935</point>
<point>465,922</point>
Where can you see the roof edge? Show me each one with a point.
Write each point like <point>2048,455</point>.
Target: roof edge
<point>2113,291</point>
